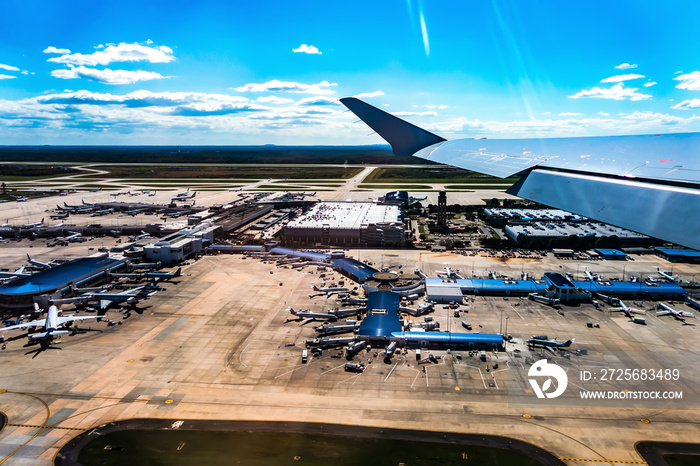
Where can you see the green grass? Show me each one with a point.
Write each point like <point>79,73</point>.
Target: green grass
<point>403,187</point>
<point>225,172</point>
<point>431,175</point>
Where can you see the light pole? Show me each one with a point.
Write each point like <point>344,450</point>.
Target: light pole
<point>507,317</point>
<point>500,326</point>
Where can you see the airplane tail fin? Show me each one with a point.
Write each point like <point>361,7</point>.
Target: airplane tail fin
<point>568,343</point>
<point>404,137</point>
<point>178,272</point>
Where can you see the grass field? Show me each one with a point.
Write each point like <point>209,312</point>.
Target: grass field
<point>432,174</point>
<point>392,186</point>
<point>224,172</point>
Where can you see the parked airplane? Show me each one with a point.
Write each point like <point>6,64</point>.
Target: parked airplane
<point>628,311</point>
<point>43,265</point>
<point>59,216</point>
<point>183,198</point>
<point>541,340</point>
<point>78,206</point>
<point>143,235</point>
<point>636,168</point>
<point>668,310</point>
<point>331,289</point>
<point>136,193</point>
<point>130,297</point>
<point>88,203</point>
<point>668,277</point>
<point>100,213</point>
<point>6,224</point>
<point>134,212</point>
<point>73,237</point>
<point>152,193</point>
<point>307,316</point>
<point>32,225</point>
<point>53,323</point>
<point>21,198</point>
<point>183,193</point>
<point>151,275</point>
<point>147,265</point>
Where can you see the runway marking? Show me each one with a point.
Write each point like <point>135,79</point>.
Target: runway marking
<point>392,370</point>
<point>603,461</point>
<point>482,377</point>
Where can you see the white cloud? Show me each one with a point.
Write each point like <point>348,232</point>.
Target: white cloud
<point>621,77</point>
<point>289,86</point>
<point>428,113</point>
<point>617,92</point>
<point>6,76</point>
<point>315,101</point>
<point>118,53</point>
<point>650,83</point>
<point>274,100</point>
<point>625,66</point>
<point>546,113</point>
<point>441,107</point>
<point>603,114</point>
<point>53,49</point>
<point>569,114</point>
<point>636,123</point>
<point>8,67</point>
<point>310,49</point>
<point>690,104</point>
<point>690,81</point>
<point>367,95</point>
<point>106,76</point>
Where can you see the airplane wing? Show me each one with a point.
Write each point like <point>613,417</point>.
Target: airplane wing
<point>65,319</point>
<point>648,184</point>
<point>33,323</point>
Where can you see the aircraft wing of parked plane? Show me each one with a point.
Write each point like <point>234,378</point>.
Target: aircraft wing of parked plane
<point>658,176</point>
<point>131,297</point>
<point>628,311</point>
<point>668,310</point>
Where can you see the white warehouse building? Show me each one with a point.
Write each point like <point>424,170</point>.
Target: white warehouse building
<point>363,224</point>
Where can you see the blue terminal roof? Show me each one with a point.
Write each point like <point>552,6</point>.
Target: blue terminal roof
<point>59,276</point>
<point>316,256</point>
<point>451,337</point>
<point>674,252</point>
<point>626,288</point>
<point>531,286</point>
<point>610,252</point>
<point>381,325</point>
<point>490,284</point>
<point>354,267</point>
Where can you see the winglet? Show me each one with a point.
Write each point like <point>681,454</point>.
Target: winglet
<point>404,137</point>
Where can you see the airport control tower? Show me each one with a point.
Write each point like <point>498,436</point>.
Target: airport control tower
<point>442,210</point>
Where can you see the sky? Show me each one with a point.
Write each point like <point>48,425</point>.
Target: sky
<point>75,72</point>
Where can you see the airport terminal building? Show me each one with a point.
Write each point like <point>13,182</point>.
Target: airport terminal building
<point>363,224</point>
<point>59,281</point>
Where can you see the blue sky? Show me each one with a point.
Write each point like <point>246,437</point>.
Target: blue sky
<point>229,72</point>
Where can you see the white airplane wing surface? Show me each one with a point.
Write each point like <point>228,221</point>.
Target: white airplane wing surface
<point>65,319</point>
<point>648,184</point>
<point>33,323</point>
